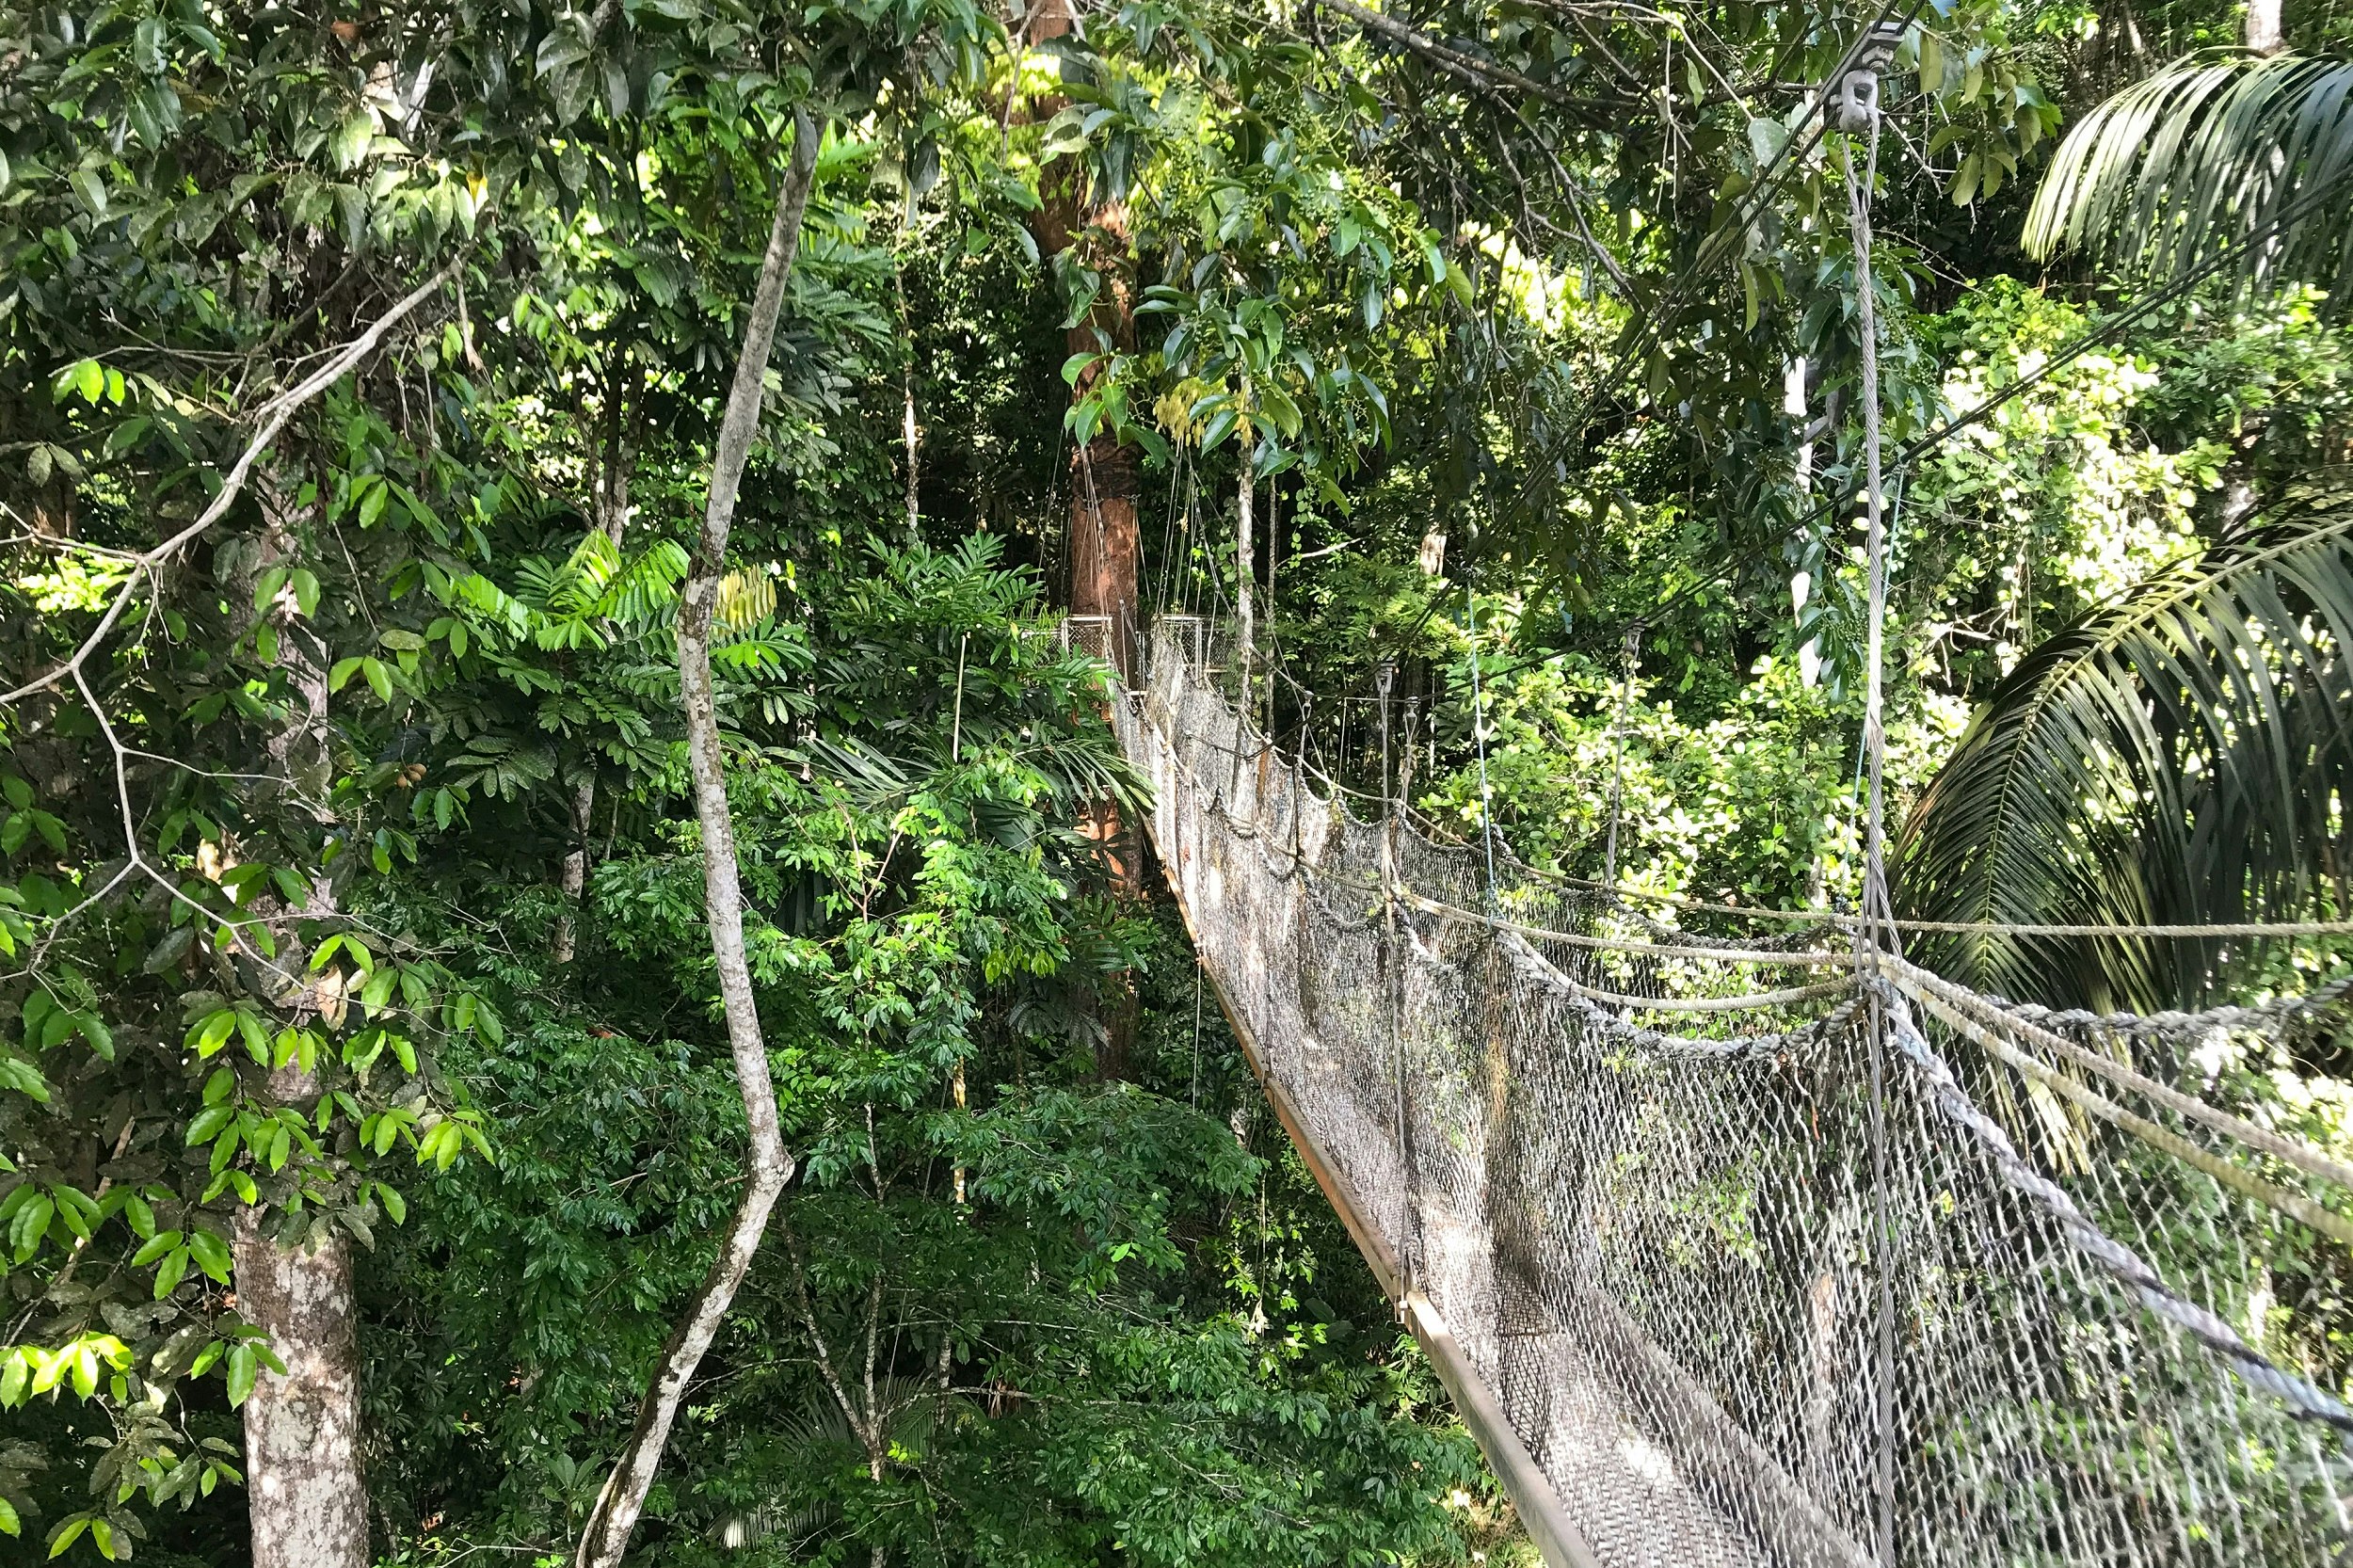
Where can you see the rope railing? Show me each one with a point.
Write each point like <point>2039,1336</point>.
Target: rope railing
<point>2301,1398</point>
<point>1951,1002</point>
<point>2187,931</point>
<point>1628,944</point>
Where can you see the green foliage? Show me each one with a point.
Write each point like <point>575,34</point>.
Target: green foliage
<point>2170,757</point>
<point>1046,1270</point>
<point>1757,802</point>
<point>353,880</point>
<point>2060,500</point>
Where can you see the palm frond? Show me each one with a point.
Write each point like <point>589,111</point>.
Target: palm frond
<point>872,778</point>
<point>2217,152</point>
<point>476,592</point>
<point>2181,756</point>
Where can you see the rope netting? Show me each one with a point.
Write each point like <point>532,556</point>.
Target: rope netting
<point>2026,1303</point>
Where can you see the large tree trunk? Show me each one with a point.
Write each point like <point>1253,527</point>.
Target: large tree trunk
<point>1105,545</point>
<point>306,1497</point>
<point>766,1166</point>
<point>1103,477</point>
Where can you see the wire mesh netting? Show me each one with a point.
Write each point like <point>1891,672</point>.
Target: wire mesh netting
<point>1761,1264</point>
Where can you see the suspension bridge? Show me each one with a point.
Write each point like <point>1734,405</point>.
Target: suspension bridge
<point>1759,1244</point>
<point>1738,1238</point>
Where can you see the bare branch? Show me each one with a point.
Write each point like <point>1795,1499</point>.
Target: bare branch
<point>134,861</point>
<point>274,415</point>
<point>767,1167</point>
<point>817,1335</point>
<point>1483,74</point>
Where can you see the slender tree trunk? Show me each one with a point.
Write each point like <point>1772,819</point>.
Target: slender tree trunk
<point>767,1167</point>
<point>910,433</point>
<point>620,451</point>
<point>860,1405</point>
<point>306,1497</point>
<point>1793,404</point>
<point>308,1500</point>
<point>912,436</point>
<point>1801,587</point>
<point>573,880</point>
<point>874,1432</point>
<point>961,1102</point>
<point>2264,35</point>
<point>612,508</point>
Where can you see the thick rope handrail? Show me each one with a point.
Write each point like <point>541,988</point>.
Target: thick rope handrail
<point>1675,901</point>
<point>1296,864</point>
<point>1750,1002</point>
<point>1621,944</point>
<point>1933,989</point>
<point>2294,1205</point>
<point>1532,964</point>
<point>2300,1398</point>
<point>2181,932</point>
<point>2250,1015</point>
<point>1953,928</point>
<point>1584,890</point>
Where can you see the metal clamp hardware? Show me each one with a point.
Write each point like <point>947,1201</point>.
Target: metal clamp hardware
<point>1859,90</point>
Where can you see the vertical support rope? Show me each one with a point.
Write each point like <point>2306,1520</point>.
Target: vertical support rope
<point>1617,752</point>
<point>1273,557</point>
<point>1479,740</point>
<point>1384,677</point>
<point>1860,116</point>
<point>1392,805</point>
<point>1863,117</point>
<point>1299,760</point>
<point>1245,559</point>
